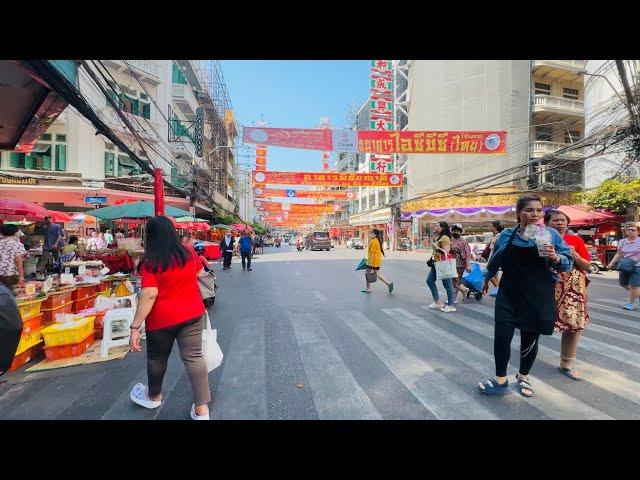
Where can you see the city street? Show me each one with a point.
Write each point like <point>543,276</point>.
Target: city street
<point>302,342</point>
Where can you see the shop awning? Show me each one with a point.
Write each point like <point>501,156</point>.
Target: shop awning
<point>135,210</point>
<point>585,215</point>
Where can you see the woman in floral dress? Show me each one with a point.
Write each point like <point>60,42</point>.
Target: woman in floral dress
<point>571,294</point>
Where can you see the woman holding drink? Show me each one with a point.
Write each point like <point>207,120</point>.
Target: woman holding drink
<point>529,255</point>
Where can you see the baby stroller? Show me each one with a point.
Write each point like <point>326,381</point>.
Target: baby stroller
<point>474,280</point>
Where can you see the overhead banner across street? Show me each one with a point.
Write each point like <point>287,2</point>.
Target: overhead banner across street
<point>380,141</point>
<point>294,207</point>
<point>328,179</point>
<point>291,193</point>
<point>305,138</point>
<point>432,142</point>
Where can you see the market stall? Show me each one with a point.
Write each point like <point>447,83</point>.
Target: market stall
<point>599,228</point>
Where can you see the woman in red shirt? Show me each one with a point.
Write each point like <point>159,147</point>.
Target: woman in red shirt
<point>571,294</point>
<point>171,307</point>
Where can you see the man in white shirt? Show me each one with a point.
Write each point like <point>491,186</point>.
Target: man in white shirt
<point>226,247</point>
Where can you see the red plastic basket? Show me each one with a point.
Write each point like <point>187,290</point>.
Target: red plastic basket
<point>26,356</point>
<point>68,351</point>
<point>31,325</point>
<point>85,291</point>
<point>55,299</point>
<point>49,316</point>
<point>83,304</point>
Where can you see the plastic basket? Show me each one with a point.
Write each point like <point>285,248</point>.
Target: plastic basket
<point>68,333</point>
<point>83,304</point>
<point>49,316</point>
<point>68,351</point>
<point>28,341</point>
<point>105,293</point>
<point>31,325</point>
<point>26,356</point>
<point>30,308</point>
<point>85,291</point>
<point>57,299</point>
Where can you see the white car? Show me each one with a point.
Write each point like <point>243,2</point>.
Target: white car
<point>349,243</point>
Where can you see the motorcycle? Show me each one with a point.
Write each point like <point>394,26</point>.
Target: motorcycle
<point>596,265</point>
<point>300,247</point>
<point>277,244</point>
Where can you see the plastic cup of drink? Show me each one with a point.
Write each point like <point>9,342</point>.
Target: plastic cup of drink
<point>541,243</point>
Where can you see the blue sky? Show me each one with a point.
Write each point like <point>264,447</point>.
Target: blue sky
<point>295,94</point>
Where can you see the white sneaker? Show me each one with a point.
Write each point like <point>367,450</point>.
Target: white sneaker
<point>435,306</point>
<point>140,395</point>
<point>448,308</point>
<point>195,416</point>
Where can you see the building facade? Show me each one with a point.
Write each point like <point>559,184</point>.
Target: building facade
<point>159,99</point>
<point>603,96</point>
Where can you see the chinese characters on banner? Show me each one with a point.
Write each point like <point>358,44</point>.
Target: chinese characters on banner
<point>293,208</point>
<point>288,193</point>
<point>347,179</point>
<point>432,142</point>
<point>261,158</point>
<point>381,110</point>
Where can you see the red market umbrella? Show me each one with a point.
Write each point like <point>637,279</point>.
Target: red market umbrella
<point>60,217</point>
<point>241,226</point>
<point>585,215</point>
<point>13,207</point>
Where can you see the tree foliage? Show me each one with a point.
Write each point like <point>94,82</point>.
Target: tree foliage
<point>615,196</point>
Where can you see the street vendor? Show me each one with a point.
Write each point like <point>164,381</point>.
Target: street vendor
<point>53,242</point>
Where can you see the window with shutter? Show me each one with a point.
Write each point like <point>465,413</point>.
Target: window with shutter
<point>61,157</point>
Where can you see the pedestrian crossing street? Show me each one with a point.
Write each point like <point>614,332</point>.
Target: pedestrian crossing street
<point>438,358</point>
<point>375,360</point>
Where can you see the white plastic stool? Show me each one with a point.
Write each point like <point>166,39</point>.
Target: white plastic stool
<point>124,315</point>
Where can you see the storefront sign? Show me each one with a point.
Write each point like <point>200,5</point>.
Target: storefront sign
<point>485,142</point>
<point>590,231</point>
<point>377,217</point>
<point>329,179</point>
<point>96,200</point>
<point>18,181</point>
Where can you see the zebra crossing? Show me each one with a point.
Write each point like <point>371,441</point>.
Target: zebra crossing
<point>431,377</point>
<point>357,362</point>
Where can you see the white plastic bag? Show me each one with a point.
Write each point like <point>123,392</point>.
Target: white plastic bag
<point>446,269</point>
<point>210,348</point>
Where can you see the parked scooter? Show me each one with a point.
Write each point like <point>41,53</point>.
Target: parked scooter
<point>596,265</point>
<point>277,244</point>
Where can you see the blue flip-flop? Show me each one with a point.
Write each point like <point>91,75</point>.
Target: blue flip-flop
<point>365,291</point>
<point>628,306</point>
<point>492,387</point>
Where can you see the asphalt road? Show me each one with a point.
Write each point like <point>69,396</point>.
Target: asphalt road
<point>301,342</point>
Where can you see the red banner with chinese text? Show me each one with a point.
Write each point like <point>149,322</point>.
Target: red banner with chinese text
<point>310,139</point>
<point>322,195</point>
<point>329,179</point>
<point>482,142</point>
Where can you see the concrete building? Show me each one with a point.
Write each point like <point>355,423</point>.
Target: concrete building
<point>159,99</point>
<point>604,90</point>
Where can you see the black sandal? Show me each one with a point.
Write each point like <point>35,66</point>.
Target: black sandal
<point>524,385</point>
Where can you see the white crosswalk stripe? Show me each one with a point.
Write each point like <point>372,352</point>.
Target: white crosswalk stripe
<point>436,392</point>
<point>618,310</point>
<point>605,378</point>
<point>336,394</point>
<point>596,346</point>
<point>549,400</point>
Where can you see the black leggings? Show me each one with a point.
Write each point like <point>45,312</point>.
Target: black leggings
<point>502,349</point>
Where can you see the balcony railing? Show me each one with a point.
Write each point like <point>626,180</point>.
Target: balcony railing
<point>570,64</point>
<point>148,67</point>
<point>183,93</point>
<point>565,105</point>
<point>542,148</point>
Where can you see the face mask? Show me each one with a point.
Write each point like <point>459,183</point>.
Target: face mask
<point>455,235</point>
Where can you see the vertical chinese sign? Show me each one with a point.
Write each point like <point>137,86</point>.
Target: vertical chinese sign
<point>261,158</point>
<point>324,123</point>
<point>381,110</point>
